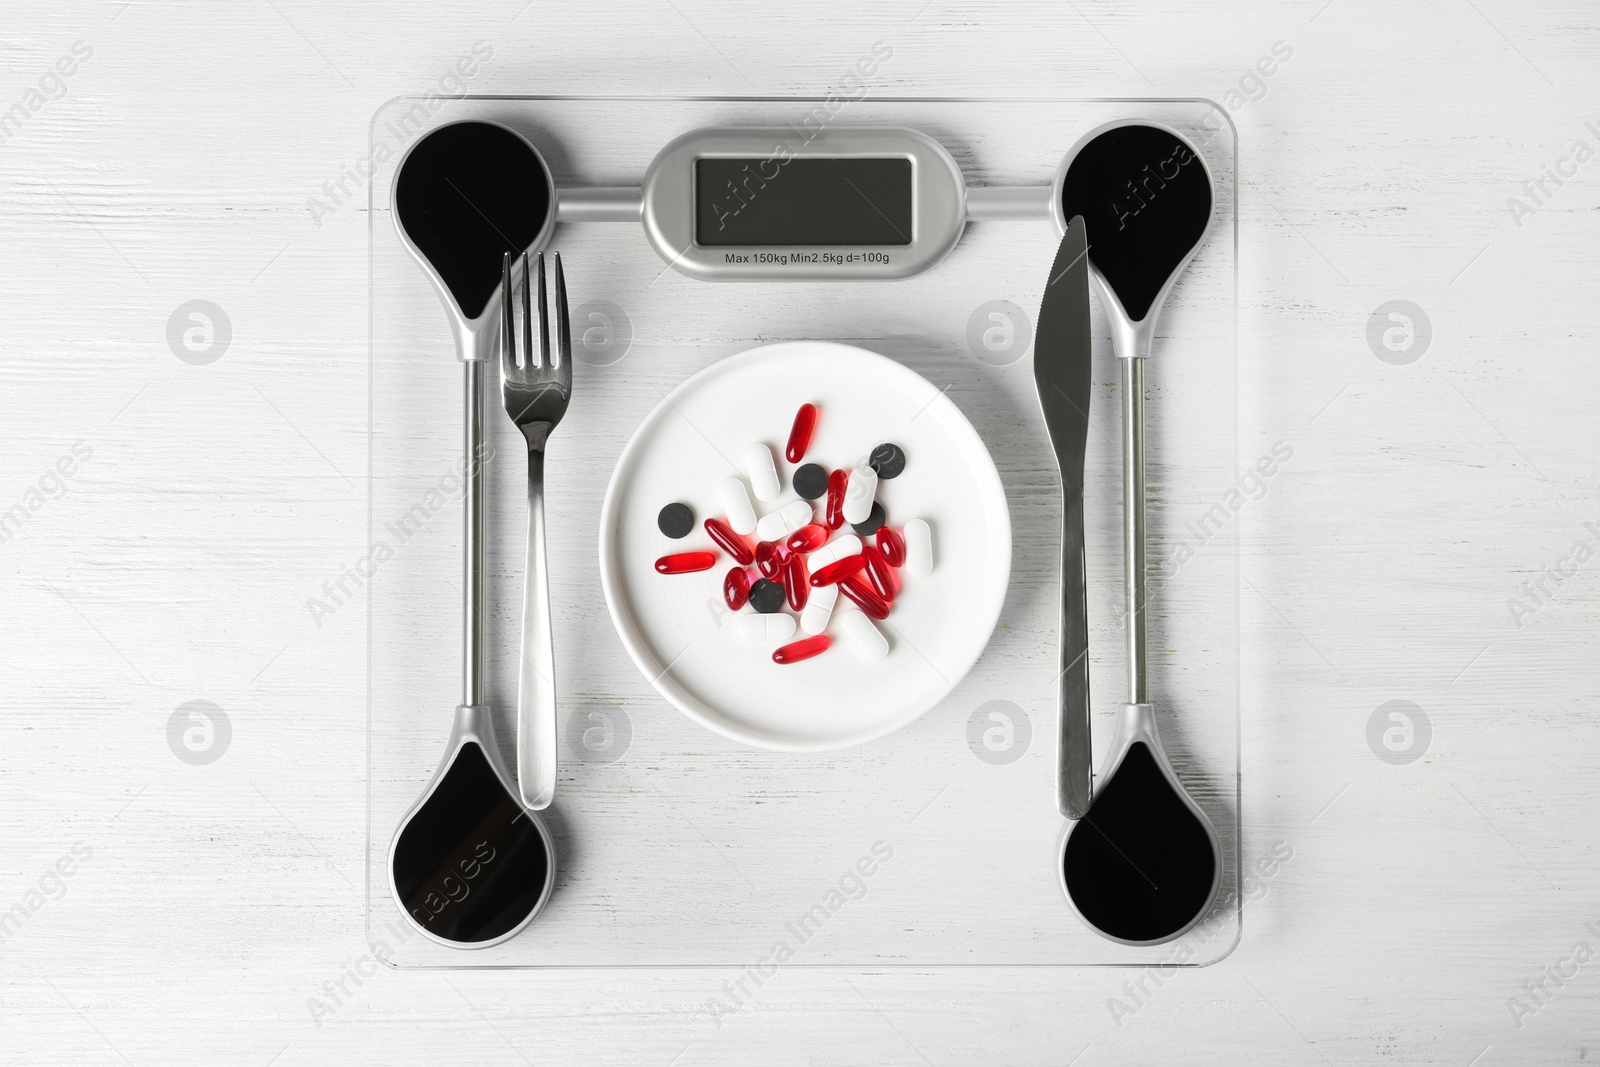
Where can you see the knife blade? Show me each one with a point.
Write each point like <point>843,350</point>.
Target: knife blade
<point>1062,365</point>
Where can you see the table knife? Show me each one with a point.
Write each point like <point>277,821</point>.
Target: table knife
<point>1062,363</point>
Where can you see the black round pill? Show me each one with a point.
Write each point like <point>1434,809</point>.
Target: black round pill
<point>871,523</point>
<point>810,481</point>
<point>766,596</point>
<point>888,460</point>
<point>676,520</point>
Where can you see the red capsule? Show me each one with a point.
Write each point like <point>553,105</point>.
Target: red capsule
<point>878,572</point>
<point>865,597</point>
<point>838,570</point>
<point>686,562</point>
<point>808,538</point>
<point>893,547</point>
<point>805,421</point>
<point>736,588</point>
<point>770,558</point>
<point>835,510</point>
<point>802,649</point>
<point>730,542</point>
<point>795,585</point>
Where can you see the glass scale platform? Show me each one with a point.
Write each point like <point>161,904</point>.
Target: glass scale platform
<point>935,847</point>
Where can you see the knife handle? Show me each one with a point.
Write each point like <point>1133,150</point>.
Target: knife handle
<point>1074,771</point>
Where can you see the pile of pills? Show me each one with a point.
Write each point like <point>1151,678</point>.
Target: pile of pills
<point>792,557</point>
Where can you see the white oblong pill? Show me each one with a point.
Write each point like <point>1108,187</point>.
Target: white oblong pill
<point>859,492</point>
<point>833,551</point>
<point>777,626</point>
<point>776,525</point>
<point>737,507</point>
<point>865,639</point>
<point>819,607</point>
<point>763,472</point>
<point>919,547</point>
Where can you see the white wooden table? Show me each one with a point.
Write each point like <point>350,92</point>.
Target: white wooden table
<point>1429,541</point>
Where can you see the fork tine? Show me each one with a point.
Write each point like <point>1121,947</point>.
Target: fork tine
<point>544,320</point>
<point>508,336</point>
<point>563,323</point>
<point>527,318</point>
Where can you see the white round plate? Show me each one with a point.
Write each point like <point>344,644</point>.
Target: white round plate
<point>679,631</point>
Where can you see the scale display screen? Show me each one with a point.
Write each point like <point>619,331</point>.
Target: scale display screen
<point>806,201</point>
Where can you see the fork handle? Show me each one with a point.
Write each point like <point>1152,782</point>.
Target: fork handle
<point>536,675</point>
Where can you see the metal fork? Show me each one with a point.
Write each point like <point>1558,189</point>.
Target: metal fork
<point>536,389</point>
